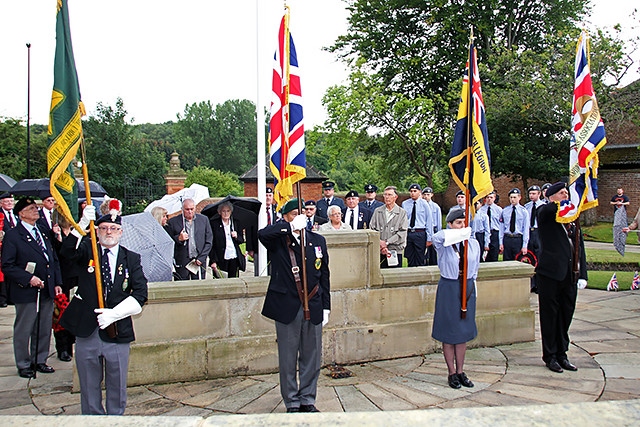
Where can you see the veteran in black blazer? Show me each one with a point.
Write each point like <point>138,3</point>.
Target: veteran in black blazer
<point>299,340</point>
<point>31,269</point>
<point>101,347</point>
<point>186,229</point>
<point>222,227</point>
<point>557,283</point>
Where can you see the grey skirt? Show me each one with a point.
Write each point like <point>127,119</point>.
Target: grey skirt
<point>448,326</point>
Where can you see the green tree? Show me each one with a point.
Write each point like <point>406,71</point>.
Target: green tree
<point>115,157</point>
<point>13,152</point>
<point>222,138</point>
<point>220,183</point>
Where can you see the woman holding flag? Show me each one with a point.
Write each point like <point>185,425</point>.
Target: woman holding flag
<point>449,327</point>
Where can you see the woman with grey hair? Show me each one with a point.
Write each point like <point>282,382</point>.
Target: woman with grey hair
<point>225,251</point>
<point>334,213</point>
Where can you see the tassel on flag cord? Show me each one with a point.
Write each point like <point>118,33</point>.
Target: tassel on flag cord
<point>613,283</point>
<point>635,284</point>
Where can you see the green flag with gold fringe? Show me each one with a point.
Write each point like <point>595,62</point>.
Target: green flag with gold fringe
<point>65,126</point>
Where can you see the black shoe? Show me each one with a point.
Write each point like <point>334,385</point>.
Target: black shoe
<point>554,366</point>
<point>26,373</point>
<point>293,409</point>
<point>534,290</point>
<point>308,408</point>
<point>3,304</point>
<point>464,380</point>
<point>567,365</point>
<point>454,382</point>
<point>64,356</point>
<point>44,368</point>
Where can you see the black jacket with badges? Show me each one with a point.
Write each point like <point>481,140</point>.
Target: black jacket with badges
<point>282,301</point>
<point>19,247</point>
<point>79,318</point>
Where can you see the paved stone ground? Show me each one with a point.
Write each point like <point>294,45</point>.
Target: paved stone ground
<point>605,346</point>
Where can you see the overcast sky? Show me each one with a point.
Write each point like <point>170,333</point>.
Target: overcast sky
<point>160,55</point>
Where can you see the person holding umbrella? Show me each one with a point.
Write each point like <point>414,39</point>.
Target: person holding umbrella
<point>32,273</point>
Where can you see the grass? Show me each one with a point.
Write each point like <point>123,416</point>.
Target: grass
<point>600,279</point>
<point>603,232</point>
<point>611,256</point>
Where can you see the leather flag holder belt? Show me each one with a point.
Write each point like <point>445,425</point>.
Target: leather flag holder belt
<point>296,274</point>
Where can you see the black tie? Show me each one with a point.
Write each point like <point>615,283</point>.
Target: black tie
<point>40,242</point>
<point>369,204</point>
<point>351,220</point>
<point>328,202</point>
<point>11,223</point>
<point>309,225</point>
<point>107,284</point>
<point>413,216</point>
<point>512,223</point>
<point>489,215</point>
<point>533,214</point>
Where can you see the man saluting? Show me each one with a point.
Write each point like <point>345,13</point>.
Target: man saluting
<point>99,354</point>
<point>299,340</point>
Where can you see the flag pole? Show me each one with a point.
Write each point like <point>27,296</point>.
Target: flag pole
<point>467,210</point>
<point>303,250</point>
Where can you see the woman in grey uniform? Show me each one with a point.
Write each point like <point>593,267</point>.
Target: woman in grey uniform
<point>448,327</point>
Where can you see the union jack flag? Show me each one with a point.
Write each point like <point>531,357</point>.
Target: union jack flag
<point>613,283</point>
<point>587,137</point>
<point>635,284</point>
<point>287,158</point>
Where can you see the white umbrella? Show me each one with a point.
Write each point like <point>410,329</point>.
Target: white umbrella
<point>173,202</point>
<point>144,235</point>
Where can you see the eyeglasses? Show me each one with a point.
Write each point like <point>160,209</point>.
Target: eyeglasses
<point>113,228</point>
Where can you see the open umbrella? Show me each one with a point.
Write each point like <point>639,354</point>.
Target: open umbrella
<point>245,215</point>
<point>40,188</point>
<point>143,234</point>
<point>173,202</point>
<point>6,182</point>
<point>619,236</point>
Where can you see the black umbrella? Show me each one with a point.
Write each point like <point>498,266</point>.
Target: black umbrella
<point>40,188</point>
<point>6,182</point>
<point>245,215</point>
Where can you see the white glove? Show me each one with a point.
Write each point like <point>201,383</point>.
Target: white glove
<point>582,283</point>
<point>325,316</point>
<point>453,236</point>
<point>88,215</point>
<point>128,307</point>
<point>299,222</point>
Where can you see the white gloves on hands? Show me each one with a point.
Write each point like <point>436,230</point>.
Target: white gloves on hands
<point>128,307</point>
<point>325,316</point>
<point>453,236</point>
<point>582,283</point>
<point>299,222</point>
<point>88,215</point>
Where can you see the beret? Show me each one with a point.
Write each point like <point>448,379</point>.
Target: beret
<point>310,203</point>
<point>289,206</point>
<point>269,190</point>
<point>554,188</point>
<point>534,188</point>
<point>415,187</point>
<point>109,219</point>
<point>352,193</point>
<point>455,214</point>
<point>514,191</point>
<point>460,193</point>
<point>23,203</point>
<point>427,190</point>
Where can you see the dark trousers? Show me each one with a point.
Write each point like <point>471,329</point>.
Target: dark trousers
<point>383,262</point>
<point>494,247</point>
<point>232,267</point>
<point>534,246</point>
<point>183,274</point>
<point>416,245</point>
<point>3,293</point>
<point>512,247</point>
<point>480,239</point>
<point>431,256</point>
<point>557,303</point>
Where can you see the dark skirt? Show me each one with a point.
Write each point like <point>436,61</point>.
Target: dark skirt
<point>448,327</point>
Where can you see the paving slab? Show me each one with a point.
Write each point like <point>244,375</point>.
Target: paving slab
<point>383,399</point>
<point>354,401</point>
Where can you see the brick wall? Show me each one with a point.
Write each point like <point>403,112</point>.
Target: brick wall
<point>608,182</point>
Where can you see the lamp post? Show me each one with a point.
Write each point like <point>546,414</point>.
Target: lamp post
<point>28,110</point>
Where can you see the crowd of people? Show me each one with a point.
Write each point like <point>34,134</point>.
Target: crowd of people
<point>44,258</point>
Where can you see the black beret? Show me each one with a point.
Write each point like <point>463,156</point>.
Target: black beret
<point>23,203</point>
<point>310,203</point>
<point>415,187</point>
<point>109,219</point>
<point>460,193</point>
<point>327,185</point>
<point>534,188</point>
<point>545,186</point>
<point>554,188</point>
<point>5,196</point>
<point>455,214</point>
<point>427,190</point>
<point>370,188</point>
<point>289,206</point>
<point>514,191</point>
<point>269,190</point>
<point>352,193</point>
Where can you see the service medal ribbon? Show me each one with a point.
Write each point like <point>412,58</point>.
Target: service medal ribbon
<point>318,263</point>
<point>91,268</point>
